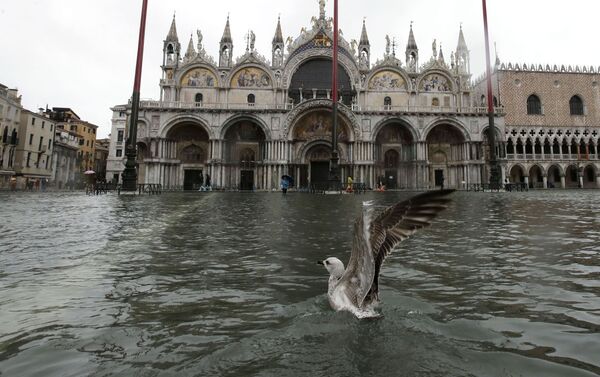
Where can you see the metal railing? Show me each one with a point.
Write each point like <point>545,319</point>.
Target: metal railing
<point>290,106</point>
<point>427,109</point>
<point>145,188</point>
<point>509,187</point>
<point>220,106</point>
<point>322,187</point>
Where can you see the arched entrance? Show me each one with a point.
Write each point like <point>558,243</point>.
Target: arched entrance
<point>572,177</point>
<point>244,153</point>
<point>554,177</point>
<point>311,142</point>
<point>589,177</point>
<point>395,154</point>
<point>188,143</point>
<point>318,158</point>
<point>536,177</point>
<point>517,174</point>
<point>446,146</point>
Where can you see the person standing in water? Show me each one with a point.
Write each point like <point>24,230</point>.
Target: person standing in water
<point>285,184</point>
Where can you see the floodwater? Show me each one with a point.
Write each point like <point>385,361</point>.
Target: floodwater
<point>214,284</point>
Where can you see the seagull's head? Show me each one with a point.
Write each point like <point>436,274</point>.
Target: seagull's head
<point>333,265</point>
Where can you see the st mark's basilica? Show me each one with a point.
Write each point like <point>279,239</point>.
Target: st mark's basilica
<point>407,120</point>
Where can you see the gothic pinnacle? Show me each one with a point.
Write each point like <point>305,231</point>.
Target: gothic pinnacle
<point>278,38</point>
<point>172,36</point>
<point>227,33</point>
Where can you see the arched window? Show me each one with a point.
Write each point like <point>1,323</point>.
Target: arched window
<point>192,154</point>
<point>170,53</point>
<point>247,156</point>
<point>199,97</point>
<point>576,105</point>
<point>251,99</point>
<point>387,103</point>
<point>391,158</point>
<point>534,105</point>
<point>5,135</point>
<point>13,137</point>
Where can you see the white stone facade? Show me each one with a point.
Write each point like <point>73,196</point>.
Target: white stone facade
<point>33,162</point>
<point>244,123</point>
<point>66,162</point>
<point>10,118</point>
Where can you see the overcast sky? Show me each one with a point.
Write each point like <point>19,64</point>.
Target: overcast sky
<point>81,53</point>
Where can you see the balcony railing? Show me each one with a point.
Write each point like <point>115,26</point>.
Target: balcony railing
<point>290,106</point>
<point>427,109</point>
<point>219,106</point>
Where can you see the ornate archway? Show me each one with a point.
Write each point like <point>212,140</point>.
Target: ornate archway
<point>447,149</point>
<point>312,133</point>
<point>243,155</point>
<point>313,80</point>
<point>188,144</point>
<point>395,155</point>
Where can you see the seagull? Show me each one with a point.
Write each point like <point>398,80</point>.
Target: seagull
<point>356,288</point>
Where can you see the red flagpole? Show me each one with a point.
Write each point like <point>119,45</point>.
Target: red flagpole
<point>335,51</point>
<point>130,172</point>
<point>494,173</point>
<point>333,168</point>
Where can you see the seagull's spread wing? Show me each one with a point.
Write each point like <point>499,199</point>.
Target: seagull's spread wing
<point>356,281</point>
<point>397,223</point>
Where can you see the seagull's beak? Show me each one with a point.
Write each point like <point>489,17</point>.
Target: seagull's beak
<point>320,262</point>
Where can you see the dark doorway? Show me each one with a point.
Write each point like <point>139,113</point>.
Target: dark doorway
<point>439,177</point>
<point>192,179</point>
<point>319,171</point>
<point>390,179</point>
<point>247,180</point>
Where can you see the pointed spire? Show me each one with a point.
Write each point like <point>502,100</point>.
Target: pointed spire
<point>278,38</point>
<point>191,51</point>
<point>364,39</point>
<point>172,36</point>
<point>412,43</point>
<point>441,55</point>
<point>462,45</point>
<point>227,33</point>
<point>497,63</point>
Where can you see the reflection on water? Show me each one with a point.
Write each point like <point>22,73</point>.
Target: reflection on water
<point>225,285</point>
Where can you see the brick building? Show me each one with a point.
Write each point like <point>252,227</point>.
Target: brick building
<point>552,123</point>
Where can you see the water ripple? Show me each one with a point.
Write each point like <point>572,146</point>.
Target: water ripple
<point>226,285</point>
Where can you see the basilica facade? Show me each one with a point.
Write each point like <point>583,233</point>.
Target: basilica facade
<point>409,121</point>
